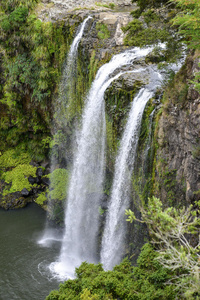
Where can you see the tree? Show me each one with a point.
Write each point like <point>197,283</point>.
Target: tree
<point>172,231</point>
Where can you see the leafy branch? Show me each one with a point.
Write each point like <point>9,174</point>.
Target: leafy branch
<point>171,230</point>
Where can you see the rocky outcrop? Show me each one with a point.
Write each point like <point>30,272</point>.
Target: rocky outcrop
<point>19,199</point>
<point>74,12</point>
<point>58,9</point>
<point>55,10</point>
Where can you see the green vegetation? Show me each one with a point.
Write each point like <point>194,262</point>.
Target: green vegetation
<point>11,158</point>
<point>59,181</point>
<point>15,170</point>
<point>172,231</point>
<point>150,27</point>
<point>143,4</point>
<point>41,199</point>
<point>188,22</point>
<point>140,36</point>
<point>18,178</point>
<point>117,101</point>
<point>55,195</point>
<point>102,31</point>
<point>42,46</point>
<point>169,270</point>
<point>146,281</point>
<point>110,5</point>
<point>181,16</point>
<point>93,65</point>
<point>31,58</point>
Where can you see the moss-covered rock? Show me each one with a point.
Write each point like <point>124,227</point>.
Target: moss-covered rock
<point>17,178</point>
<point>13,201</point>
<point>53,198</point>
<point>176,136</point>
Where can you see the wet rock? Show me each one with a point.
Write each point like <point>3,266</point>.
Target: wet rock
<point>45,181</point>
<point>104,201</point>
<point>45,164</point>
<point>32,180</point>
<point>189,195</point>
<point>39,172</point>
<point>34,164</point>
<point>108,18</point>
<point>25,192</point>
<point>178,139</point>
<point>70,4</point>
<point>14,201</point>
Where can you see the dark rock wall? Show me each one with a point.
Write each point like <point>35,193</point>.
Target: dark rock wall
<point>177,164</point>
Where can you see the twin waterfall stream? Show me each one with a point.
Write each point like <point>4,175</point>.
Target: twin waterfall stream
<point>80,241</point>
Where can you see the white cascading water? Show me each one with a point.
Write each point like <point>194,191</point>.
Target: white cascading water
<point>65,91</point>
<point>115,227</point>
<point>68,84</point>
<point>85,189</point>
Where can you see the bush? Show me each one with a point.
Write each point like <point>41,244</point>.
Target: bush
<point>18,178</point>
<point>144,282</point>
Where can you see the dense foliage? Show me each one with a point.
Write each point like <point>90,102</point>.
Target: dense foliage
<point>146,281</point>
<point>143,4</point>
<point>173,232</point>
<point>188,21</point>
<point>56,195</point>
<point>179,23</point>
<point>31,56</point>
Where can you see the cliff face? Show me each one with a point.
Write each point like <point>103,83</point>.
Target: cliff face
<point>29,85</point>
<point>177,163</point>
<point>176,166</point>
<point>61,9</point>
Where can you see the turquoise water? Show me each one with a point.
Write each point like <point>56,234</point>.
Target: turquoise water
<point>24,272</point>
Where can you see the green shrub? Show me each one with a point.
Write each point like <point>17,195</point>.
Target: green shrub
<point>56,195</point>
<point>18,178</point>
<point>59,181</point>
<point>147,281</point>
<point>102,31</point>
<point>139,36</point>
<point>173,232</point>
<point>143,4</point>
<point>41,198</point>
<point>11,158</point>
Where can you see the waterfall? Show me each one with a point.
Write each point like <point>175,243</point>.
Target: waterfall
<point>66,91</point>
<point>115,227</point>
<point>67,87</point>
<point>85,189</point>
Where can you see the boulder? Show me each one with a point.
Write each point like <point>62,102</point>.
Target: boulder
<point>14,201</point>
<point>39,172</point>
<point>32,180</point>
<point>45,181</point>
<point>25,192</point>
